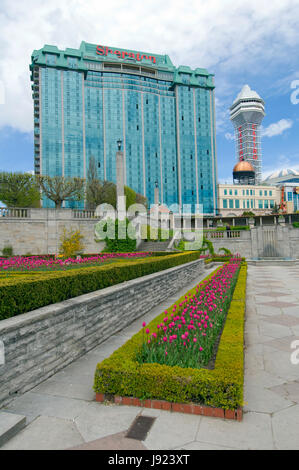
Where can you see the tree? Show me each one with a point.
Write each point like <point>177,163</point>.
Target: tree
<point>59,188</point>
<point>141,200</point>
<point>100,192</point>
<point>93,186</point>
<point>130,196</point>
<point>19,190</point>
<point>248,214</point>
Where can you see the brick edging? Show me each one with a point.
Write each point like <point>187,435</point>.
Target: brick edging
<point>190,408</point>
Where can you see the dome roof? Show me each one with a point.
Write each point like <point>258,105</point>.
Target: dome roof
<point>282,173</point>
<point>243,166</point>
<point>247,93</point>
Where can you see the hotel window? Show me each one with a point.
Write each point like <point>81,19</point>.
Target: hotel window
<point>225,192</point>
<point>236,192</point>
<point>266,204</point>
<point>244,204</point>
<point>231,203</point>
<point>230,192</point>
<point>290,196</point>
<point>224,203</point>
<point>237,204</point>
<point>271,203</point>
<point>72,62</point>
<point>261,192</point>
<point>266,193</point>
<point>270,193</point>
<point>247,192</point>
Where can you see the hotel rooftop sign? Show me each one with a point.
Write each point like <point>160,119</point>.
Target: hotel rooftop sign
<point>123,54</point>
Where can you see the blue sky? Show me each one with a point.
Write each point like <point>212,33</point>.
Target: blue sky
<point>255,44</point>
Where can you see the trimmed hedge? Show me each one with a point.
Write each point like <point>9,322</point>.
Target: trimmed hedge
<point>122,375</point>
<point>23,292</point>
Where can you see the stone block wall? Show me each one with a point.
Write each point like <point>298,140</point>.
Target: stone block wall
<point>41,230</point>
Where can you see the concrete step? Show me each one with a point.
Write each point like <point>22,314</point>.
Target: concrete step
<point>153,246</point>
<point>10,425</point>
<point>272,262</point>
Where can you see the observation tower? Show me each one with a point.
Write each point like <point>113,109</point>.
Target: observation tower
<point>246,114</point>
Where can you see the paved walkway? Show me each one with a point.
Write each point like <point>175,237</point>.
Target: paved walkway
<point>61,412</point>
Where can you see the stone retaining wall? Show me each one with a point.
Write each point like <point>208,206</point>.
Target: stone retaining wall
<point>37,344</point>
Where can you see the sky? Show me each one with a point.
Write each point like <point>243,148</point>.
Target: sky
<point>254,43</point>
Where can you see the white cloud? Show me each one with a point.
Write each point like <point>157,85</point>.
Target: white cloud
<point>229,136</point>
<point>276,128</point>
<point>225,36</point>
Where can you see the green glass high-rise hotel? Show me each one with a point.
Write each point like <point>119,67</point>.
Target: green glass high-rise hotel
<point>86,99</point>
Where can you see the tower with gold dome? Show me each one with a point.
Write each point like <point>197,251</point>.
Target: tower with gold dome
<point>244,173</point>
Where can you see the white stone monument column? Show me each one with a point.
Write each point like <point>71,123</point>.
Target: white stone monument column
<point>156,193</point>
<point>120,191</point>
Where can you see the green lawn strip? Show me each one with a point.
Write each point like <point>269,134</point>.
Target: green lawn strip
<point>20,294</point>
<point>222,387</point>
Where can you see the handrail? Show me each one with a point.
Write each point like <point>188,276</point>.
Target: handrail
<point>14,212</point>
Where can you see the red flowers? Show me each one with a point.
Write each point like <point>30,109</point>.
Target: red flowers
<point>190,334</point>
<point>46,263</point>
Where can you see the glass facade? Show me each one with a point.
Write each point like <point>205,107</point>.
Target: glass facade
<point>87,99</point>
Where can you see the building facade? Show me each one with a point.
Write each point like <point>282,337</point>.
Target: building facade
<point>246,114</point>
<point>287,182</point>
<point>234,199</point>
<point>86,99</point>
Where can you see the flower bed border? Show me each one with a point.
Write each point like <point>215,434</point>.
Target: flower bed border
<point>188,408</point>
<point>122,380</point>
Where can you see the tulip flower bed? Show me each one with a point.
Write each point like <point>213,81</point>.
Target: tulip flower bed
<point>36,263</point>
<point>187,336</point>
<point>141,373</point>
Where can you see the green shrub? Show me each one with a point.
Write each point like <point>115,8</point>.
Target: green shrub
<point>122,375</point>
<point>7,251</point>
<point>28,291</point>
<point>120,245</point>
<point>240,227</point>
<point>296,224</point>
<point>225,250</point>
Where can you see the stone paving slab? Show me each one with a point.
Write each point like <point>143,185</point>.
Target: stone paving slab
<point>46,433</point>
<point>285,425</point>
<point>100,420</point>
<point>289,390</point>
<point>261,400</point>
<point>10,424</point>
<point>254,432</point>
<point>117,441</point>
